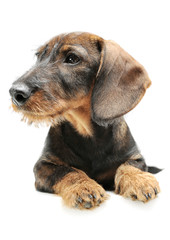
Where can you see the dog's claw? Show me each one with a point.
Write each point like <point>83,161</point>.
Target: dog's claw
<point>90,196</point>
<point>149,195</point>
<point>94,195</point>
<point>146,196</point>
<point>156,191</point>
<point>134,196</point>
<point>88,205</point>
<point>79,200</point>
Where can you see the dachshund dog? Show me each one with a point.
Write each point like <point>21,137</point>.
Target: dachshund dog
<point>82,85</point>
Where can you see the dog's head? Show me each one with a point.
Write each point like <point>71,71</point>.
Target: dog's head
<point>77,66</point>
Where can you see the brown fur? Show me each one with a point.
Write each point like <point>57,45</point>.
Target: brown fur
<point>78,190</point>
<point>125,83</point>
<point>76,111</point>
<point>89,142</point>
<point>80,115</point>
<point>136,184</point>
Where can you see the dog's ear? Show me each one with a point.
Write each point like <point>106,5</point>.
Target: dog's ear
<point>120,84</point>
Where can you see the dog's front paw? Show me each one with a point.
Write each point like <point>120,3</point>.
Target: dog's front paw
<point>136,184</point>
<point>79,191</point>
<point>85,195</point>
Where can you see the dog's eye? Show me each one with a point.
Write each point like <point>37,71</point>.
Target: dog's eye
<point>72,59</point>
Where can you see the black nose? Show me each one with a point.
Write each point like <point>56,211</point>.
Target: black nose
<point>20,93</point>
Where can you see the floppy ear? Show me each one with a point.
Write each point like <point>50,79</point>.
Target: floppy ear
<point>120,84</point>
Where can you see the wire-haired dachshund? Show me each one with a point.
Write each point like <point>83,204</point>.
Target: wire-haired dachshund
<point>82,85</point>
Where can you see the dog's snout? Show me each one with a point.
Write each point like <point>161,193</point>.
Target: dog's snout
<point>20,93</point>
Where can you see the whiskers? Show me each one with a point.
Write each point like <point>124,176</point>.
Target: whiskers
<point>45,121</point>
<point>38,117</point>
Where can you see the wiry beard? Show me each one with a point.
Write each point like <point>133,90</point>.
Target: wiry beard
<point>38,118</point>
<point>42,120</point>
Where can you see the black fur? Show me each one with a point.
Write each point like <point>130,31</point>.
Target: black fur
<point>118,83</point>
<point>101,153</point>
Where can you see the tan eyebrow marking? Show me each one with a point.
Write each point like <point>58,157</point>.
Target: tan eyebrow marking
<point>77,47</point>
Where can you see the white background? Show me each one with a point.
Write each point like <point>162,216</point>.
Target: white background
<point>142,29</point>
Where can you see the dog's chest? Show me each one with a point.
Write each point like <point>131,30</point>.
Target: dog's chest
<point>92,151</point>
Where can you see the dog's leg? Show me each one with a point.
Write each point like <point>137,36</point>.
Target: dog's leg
<point>78,190</point>
<point>73,185</point>
<point>132,182</point>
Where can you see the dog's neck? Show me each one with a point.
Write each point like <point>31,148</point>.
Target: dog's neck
<point>80,118</point>
<point>79,115</point>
